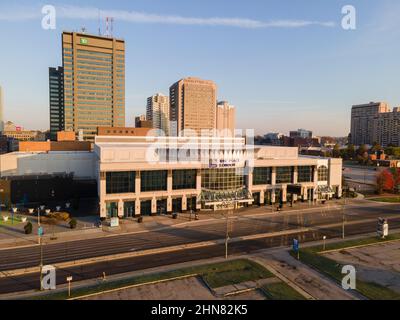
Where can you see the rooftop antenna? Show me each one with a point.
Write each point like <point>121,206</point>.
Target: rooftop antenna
<point>109,26</point>
<point>99,24</point>
<point>83,29</point>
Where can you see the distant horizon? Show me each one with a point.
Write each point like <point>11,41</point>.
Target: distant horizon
<point>284,66</point>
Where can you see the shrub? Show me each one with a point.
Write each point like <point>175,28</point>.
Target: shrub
<point>73,223</point>
<point>28,228</point>
<point>140,220</point>
<point>174,215</point>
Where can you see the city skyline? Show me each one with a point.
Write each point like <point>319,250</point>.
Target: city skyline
<point>265,62</point>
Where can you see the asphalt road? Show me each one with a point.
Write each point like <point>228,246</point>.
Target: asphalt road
<point>320,220</point>
<point>74,250</point>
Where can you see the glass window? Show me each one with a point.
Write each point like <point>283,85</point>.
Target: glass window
<point>323,173</point>
<point>120,182</point>
<point>222,179</point>
<point>261,176</point>
<point>304,174</point>
<point>153,180</point>
<point>183,179</point>
<point>284,174</point>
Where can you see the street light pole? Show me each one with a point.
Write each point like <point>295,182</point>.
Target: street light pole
<point>343,213</point>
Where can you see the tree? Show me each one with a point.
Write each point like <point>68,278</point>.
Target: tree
<point>376,147</point>
<point>350,152</point>
<point>336,151</point>
<point>362,154</point>
<point>385,181</point>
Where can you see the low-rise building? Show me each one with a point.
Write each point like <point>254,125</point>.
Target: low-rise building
<point>153,175</point>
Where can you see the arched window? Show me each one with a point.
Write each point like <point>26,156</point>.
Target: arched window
<point>323,173</point>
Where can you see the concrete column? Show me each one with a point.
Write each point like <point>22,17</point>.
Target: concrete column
<point>169,181</point>
<point>153,206</point>
<point>103,209</point>
<point>261,197</point>
<point>273,196</point>
<point>137,183</point>
<point>304,193</point>
<point>184,203</point>
<point>169,204</point>
<point>295,175</point>
<point>284,194</point>
<point>198,181</point>
<point>249,180</point>
<point>273,176</point>
<point>120,208</point>
<point>315,175</point>
<point>137,207</point>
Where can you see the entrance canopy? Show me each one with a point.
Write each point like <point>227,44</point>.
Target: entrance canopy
<point>212,197</point>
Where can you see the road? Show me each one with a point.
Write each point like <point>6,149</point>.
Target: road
<point>325,221</point>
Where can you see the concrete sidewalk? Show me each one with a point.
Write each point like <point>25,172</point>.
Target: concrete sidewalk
<point>296,273</point>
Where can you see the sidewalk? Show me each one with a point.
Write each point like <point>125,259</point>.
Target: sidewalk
<point>312,282</point>
<point>15,237</point>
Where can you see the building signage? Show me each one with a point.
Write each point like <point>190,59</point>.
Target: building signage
<point>223,163</point>
<point>84,41</point>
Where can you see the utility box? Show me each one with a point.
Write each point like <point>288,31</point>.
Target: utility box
<point>383,228</point>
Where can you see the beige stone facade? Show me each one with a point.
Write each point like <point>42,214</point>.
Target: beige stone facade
<point>192,106</point>
<point>156,175</point>
<point>226,118</point>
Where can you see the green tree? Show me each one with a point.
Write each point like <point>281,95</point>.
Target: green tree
<point>350,152</point>
<point>336,151</point>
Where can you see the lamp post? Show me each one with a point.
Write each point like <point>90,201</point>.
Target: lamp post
<point>324,239</point>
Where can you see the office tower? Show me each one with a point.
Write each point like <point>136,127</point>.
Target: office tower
<point>364,120</point>
<point>1,110</point>
<point>301,133</point>
<point>141,122</point>
<point>157,112</point>
<point>94,82</point>
<point>226,117</point>
<point>56,101</point>
<point>192,106</point>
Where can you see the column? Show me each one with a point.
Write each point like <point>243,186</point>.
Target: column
<point>169,181</point>
<point>305,193</point>
<point>169,204</point>
<point>154,206</point>
<point>295,175</point>
<point>120,208</point>
<point>273,176</point>
<point>262,197</point>
<point>273,196</point>
<point>184,203</point>
<point>249,180</point>
<point>137,207</point>
<point>198,181</point>
<point>137,183</point>
<point>103,209</point>
<point>284,194</point>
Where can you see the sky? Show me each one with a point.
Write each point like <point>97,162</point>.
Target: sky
<point>284,64</point>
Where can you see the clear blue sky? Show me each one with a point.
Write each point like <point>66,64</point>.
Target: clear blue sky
<point>279,73</point>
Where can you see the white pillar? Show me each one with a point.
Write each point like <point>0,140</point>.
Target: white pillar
<point>284,194</point>
<point>295,175</point>
<point>137,207</point>
<point>273,176</point>
<point>120,208</point>
<point>184,203</point>
<point>137,183</point>
<point>273,196</point>
<point>103,209</point>
<point>153,206</point>
<point>169,181</point>
<point>262,197</point>
<point>169,204</point>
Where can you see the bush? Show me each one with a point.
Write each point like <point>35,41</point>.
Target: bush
<point>73,223</point>
<point>140,220</point>
<point>28,228</point>
<point>174,215</point>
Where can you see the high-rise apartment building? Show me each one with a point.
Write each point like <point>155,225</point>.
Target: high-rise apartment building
<point>157,112</point>
<point>1,110</point>
<point>387,128</point>
<point>56,101</point>
<point>226,118</point>
<point>364,121</point>
<point>94,82</point>
<point>192,106</point>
